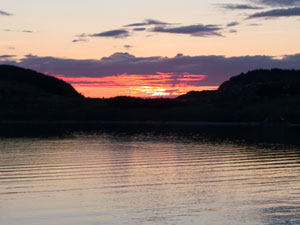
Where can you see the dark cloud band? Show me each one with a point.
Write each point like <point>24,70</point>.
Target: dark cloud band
<point>216,68</point>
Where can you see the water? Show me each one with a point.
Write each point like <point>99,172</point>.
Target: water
<point>134,175</point>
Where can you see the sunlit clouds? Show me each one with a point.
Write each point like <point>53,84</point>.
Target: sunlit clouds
<point>158,85</point>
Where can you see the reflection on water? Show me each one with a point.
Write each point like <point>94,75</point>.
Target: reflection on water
<point>154,175</point>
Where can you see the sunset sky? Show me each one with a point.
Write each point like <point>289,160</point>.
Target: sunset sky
<point>157,48</point>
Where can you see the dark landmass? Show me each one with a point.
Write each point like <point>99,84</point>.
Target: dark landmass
<point>260,96</point>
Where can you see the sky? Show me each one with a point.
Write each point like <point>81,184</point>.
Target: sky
<point>157,48</point>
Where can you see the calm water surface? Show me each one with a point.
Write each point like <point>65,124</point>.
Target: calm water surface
<point>148,176</point>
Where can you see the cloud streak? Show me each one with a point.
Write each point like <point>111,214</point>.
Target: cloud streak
<point>128,46</point>
<point>120,33</point>
<point>3,13</point>
<point>139,29</point>
<point>278,2</point>
<point>289,12</point>
<point>21,31</point>
<point>125,80</point>
<point>193,30</point>
<point>6,56</point>
<point>27,31</point>
<point>147,22</point>
<point>232,24</point>
<point>79,40</point>
<point>239,7</point>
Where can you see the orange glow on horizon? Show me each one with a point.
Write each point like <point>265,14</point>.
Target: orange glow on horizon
<point>148,86</point>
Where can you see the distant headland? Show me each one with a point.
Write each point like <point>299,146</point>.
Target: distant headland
<point>259,96</point>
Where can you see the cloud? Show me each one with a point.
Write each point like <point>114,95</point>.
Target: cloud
<point>278,2</point>
<point>193,30</point>
<point>139,29</point>
<point>159,27</point>
<point>6,56</point>
<point>170,79</point>
<point>121,33</point>
<point>216,68</point>
<point>232,24</point>
<point>289,12</point>
<point>254,24</point>
<point>27,31</point>
<point>128,46</point>
<point>2,13</point>
<point>239,6</point>
<point>22,31</point>
<point>79,40</point>
<point>82,35</point>
<point>147,22</point>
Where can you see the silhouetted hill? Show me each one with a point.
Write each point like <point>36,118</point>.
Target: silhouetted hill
<point>274,76</point>
<point>253,86</point>
<point>258,84</point>
<point>16,80</point>
<point>259,95</point>
<point>26,94</point>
